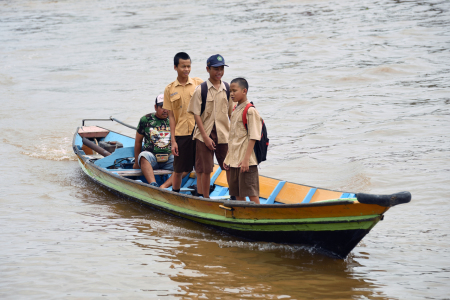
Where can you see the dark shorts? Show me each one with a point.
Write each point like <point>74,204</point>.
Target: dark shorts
<point>244,184</point>
<point>204,160</point>
<point>185,160</point>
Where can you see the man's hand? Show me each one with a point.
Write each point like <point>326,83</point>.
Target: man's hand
<point>225,166</point>
<point>136,166</point>
<point>174,146</point>
<point>210,144</point>
<point>244,165</point>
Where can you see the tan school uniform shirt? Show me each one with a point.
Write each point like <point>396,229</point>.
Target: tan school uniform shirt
<point>176,99</point>
<point>239,136</point>
<point>218,109</point>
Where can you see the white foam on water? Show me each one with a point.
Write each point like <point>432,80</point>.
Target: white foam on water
<point>53,148</point>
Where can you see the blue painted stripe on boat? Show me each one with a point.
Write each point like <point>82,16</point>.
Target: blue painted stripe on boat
<point>216,174</point>
<point>223,192</point>
<point>125,140</point>
<point>216,191</point>
<point>219,191</point>
<point>78,141</point>
<point>119,153</point>
<point>345,195</point>
<point>275,192</point>
<point>309,195</point>
<point>187,181</point>
<point>351,196</point>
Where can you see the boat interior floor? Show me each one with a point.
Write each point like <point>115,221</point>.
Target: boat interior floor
<point>272,191</point>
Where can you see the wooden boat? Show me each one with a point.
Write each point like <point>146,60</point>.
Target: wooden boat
<point>331,221</point>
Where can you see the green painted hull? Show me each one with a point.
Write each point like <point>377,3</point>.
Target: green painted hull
<point>336,236</point>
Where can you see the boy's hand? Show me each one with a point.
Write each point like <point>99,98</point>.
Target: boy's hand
<point>226,167</point>
<point>174,146</point>
<point>136,166</point>
<point>244,165</point>
<point>210,144</point>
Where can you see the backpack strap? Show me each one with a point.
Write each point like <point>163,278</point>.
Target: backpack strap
<point>204,86</point>
<point>244,114</point>
<point>228,90</point>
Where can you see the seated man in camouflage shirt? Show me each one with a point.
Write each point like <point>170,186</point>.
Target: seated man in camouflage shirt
<point>156,154</point>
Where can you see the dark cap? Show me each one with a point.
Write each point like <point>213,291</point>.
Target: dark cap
<point>159,100</point>
<point>216,61</point>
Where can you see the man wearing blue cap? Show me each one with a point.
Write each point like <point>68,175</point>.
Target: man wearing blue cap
<point>212,109</point>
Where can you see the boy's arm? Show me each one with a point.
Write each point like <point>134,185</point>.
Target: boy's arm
<point>231,105</point>
<point>168,105</point>
<point>244,164</point>
<point>206,139</point>
<point>137,149</point>
<point>254,126</point>
<point>173,142</point>
<point>195,107</point>
<point>225,165</point>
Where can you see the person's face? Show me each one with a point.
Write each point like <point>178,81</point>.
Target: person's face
<point>216,73</point>
<point>161,113</point>
<point>184,68</point>
<point>237,93</point>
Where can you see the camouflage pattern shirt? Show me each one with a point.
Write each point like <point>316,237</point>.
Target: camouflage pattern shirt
<point>156,134</point>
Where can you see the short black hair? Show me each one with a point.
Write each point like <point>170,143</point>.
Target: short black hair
<point>242,82</point>
<point>178,56</point>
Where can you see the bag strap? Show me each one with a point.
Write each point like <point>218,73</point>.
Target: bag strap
<point>228,90</point>
<point>204,87</point>
<point>244,114</point>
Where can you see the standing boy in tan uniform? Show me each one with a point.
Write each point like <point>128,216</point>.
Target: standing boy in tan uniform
<point>241,158</point>
<point>176,99</point>
<point>213,125</point>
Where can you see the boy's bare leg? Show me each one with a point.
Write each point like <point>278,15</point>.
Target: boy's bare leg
<point>204,179</point>
<point>171,181</point>
<point>199,186</point>
<point>252,198</point>
<point>176,181</point>
<point>147,170</point>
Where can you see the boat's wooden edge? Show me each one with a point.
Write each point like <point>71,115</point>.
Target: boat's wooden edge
<point>227,203</point>
<point>112,174</point>
<point>234,203</point>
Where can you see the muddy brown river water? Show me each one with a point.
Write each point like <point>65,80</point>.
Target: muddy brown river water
<point>355,95</point>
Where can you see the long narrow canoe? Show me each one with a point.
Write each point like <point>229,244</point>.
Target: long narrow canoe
<point>333,222</point>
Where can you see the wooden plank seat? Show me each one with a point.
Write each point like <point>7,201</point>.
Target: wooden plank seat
<point>138,172</point>
<point>92,132</point>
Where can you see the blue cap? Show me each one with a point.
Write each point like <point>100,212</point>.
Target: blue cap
<point>216,61</point>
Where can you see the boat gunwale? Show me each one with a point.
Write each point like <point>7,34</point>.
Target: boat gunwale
<point>225,202</point>
<point>249,222</point>
<point>328,202</point>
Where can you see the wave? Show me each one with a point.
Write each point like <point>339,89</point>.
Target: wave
<point>52,148</point>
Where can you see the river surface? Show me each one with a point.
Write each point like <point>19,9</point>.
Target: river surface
<point>355,95</point>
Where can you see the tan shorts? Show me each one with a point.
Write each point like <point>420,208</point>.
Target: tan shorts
<point>204,158</point>
<point>244,184</point>
<point>185,160</point>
